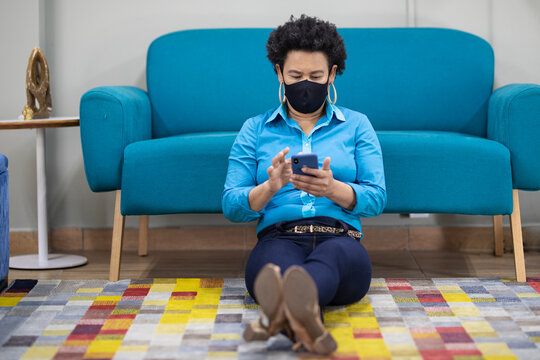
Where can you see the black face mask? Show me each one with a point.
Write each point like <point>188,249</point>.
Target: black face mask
<point>306,96</point>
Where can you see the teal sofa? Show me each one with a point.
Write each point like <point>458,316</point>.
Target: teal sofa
<point>450,143</point>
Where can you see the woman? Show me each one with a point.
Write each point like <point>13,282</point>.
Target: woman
<point>308,252</point>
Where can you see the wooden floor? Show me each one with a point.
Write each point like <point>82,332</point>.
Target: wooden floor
<point>231,263</point>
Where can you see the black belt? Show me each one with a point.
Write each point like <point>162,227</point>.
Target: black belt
<point>303,229</point>
<point>310,228</point>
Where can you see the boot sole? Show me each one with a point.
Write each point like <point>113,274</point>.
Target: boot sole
<point>301,297</point>
<point>268,292</point>
<point>268,289</point>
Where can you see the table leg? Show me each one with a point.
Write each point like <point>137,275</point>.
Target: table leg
<point>43,260</point>
<point>43,240</point>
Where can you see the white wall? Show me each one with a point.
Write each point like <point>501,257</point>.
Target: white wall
<point>16,43</point>
<point>104,42</point>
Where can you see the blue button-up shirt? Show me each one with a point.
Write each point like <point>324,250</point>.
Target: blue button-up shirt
<point>346,136</point>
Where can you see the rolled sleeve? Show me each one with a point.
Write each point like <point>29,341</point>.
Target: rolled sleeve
<point>370,200</point>
<point>236,205</point>
<point>241,176</point>
<point>370,186</point>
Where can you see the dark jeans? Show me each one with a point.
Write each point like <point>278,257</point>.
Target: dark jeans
<point>338,264</point>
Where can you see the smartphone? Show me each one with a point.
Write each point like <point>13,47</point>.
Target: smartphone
<point>300,160</point>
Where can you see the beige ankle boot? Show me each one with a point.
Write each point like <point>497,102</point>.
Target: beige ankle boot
<point>301,302</point>
<point>269,294</point>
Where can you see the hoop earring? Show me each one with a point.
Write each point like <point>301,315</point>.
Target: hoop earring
<point>335,95</point>
<point>283,98</point>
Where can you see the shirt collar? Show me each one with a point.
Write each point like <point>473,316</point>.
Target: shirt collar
<point>331,111</point>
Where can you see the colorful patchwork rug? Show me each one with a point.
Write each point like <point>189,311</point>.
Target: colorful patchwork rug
<point>466,318</point>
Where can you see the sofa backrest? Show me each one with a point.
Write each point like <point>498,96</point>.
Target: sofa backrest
<point>401,78</point>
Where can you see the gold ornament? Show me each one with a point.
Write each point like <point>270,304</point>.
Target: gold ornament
<point>27,113</point>
<point>38,92</point>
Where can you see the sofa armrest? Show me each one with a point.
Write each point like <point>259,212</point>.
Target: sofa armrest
<point>112,117</point>
<point>514,121</point>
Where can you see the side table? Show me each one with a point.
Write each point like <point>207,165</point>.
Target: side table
<point>42,260</point>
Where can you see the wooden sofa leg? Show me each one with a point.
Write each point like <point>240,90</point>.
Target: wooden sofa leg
<point>117,238</point>
<point>498,235</point>
<point>143,235</point>
<point>517,238</point>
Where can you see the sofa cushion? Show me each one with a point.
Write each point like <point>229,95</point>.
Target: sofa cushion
<point>418,78</point>
<point>445,172</point>
<point>3,163</point>
<point>426,171</point>
<point>401,78</point>
<point>209,80</point>
<point>178,174</point>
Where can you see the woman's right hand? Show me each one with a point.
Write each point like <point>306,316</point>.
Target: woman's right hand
<point>279,173</point>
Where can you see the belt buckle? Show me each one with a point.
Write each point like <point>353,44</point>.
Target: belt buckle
<point>298,231</point>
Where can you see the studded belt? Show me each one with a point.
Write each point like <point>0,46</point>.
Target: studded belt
<point>302,229</point>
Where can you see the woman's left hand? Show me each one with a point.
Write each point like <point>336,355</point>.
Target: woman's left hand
<point>320,184</point>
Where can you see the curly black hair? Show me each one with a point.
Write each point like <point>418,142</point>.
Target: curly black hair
<point>310,34</point>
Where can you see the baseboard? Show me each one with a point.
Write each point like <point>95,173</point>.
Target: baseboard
<point>244,238</point>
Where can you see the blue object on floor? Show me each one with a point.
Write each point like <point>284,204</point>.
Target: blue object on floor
<point>4,221</point>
